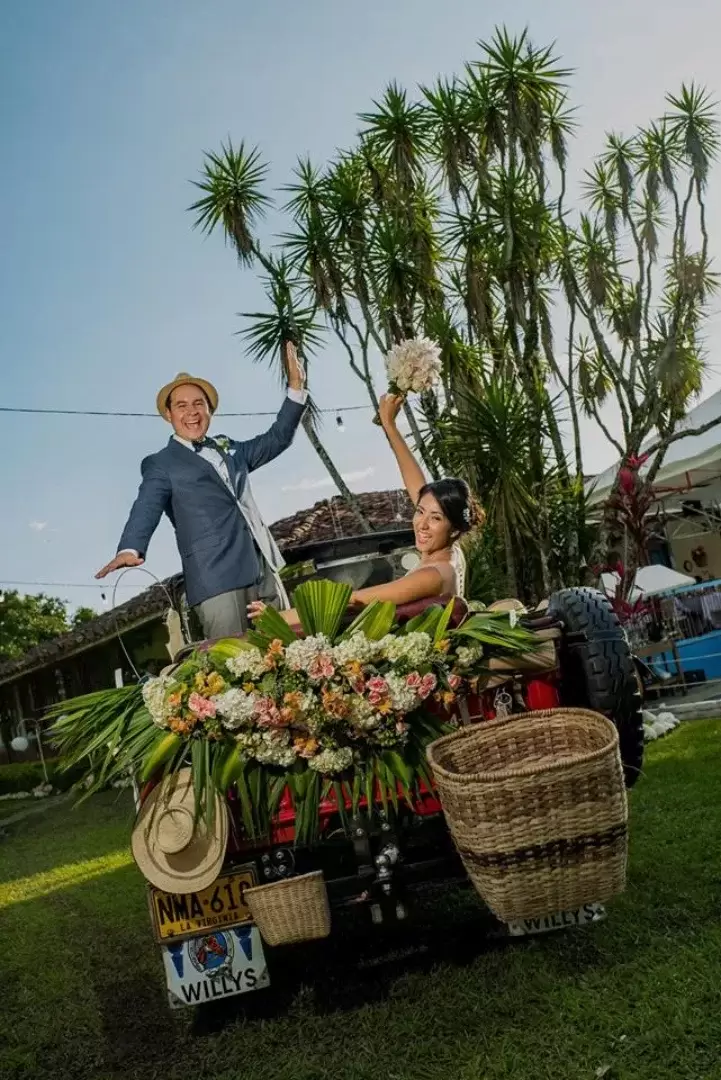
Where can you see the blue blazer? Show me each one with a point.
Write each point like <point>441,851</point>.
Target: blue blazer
<point>216,548</point>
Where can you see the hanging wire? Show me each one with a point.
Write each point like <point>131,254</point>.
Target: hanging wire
<point>156,416</point>
<point>113,609</point>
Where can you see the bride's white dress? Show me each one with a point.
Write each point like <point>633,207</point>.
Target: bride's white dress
<point>453,572</point>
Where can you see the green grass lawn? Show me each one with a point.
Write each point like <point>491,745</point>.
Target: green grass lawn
<point>10,807</point>
<point>82,992</point>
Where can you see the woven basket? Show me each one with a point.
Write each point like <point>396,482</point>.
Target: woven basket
<point>290,911</point>
<point>536,804</point>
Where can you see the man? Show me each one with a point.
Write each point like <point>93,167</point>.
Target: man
<point>228,554</point>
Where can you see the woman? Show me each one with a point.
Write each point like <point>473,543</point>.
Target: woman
<point>444,511</point>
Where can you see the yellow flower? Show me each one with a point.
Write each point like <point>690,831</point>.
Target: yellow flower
<point>443,646</point>
<point>249,687</point>
<point>215,683</point>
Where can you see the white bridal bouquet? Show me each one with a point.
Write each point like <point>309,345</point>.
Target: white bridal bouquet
<point>413,366</point>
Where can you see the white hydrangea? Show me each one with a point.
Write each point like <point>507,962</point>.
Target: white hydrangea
<point>414,648</point>
<point>249,662</point>
<point>154,696</point>
<point>300,654</point>
<point>414,365</point>
<point>403,698</point>
<point>235,707</point>
<point>332,761</point>
<point>469,655</point>
<point>267,747</point>
<point>362,713</point>
<point>358,647</point>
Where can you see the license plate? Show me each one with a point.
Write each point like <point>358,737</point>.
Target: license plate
<point>217,965</point>
<point>561,920</point>
<point>221,904</point>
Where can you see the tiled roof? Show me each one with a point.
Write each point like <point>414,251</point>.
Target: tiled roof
<point>142,608</point>
<point>332,518</point>
<point>326,520</point>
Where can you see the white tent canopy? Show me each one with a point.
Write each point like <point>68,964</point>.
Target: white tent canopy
<point>649,581</point>
<point>690,462</point>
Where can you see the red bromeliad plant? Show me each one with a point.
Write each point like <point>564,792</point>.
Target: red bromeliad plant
<point>626,518</point>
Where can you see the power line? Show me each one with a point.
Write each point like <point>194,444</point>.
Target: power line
<point>62,585</point>
<point>102,412</point>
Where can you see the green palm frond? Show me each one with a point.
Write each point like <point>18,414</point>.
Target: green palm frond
<point>232,181</point>
<point>397,131</point>
<point>693,124</point>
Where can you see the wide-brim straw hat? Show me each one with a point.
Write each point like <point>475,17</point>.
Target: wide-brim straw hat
<point>184,379</point>
<point>173,851</point>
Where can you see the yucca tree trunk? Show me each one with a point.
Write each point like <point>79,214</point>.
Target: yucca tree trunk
<point>345,492</point>
<point>507,540</point>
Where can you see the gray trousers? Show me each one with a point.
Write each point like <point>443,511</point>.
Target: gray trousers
<point>226,614</point>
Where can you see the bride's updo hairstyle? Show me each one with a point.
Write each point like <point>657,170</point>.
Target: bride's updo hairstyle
<point>457,503</point>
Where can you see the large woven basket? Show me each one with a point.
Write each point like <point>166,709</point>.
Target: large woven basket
<point>536,804</point>
<point>292,910</point>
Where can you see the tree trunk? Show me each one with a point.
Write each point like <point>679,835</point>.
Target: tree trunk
<point>345,492</point>
<point>511,575</point>
<point>418,440</point>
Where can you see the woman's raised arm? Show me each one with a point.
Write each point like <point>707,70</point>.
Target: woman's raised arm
<point>411,472</point>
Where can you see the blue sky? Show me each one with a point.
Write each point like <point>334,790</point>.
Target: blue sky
<point>106,291</point>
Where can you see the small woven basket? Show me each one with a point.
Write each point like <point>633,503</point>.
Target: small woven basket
<point>536,804</point>
<point>292,910</point>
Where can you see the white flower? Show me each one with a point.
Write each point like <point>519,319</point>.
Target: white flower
<point>235,707</point>
<point>414,365</point>
<point>414,648</point>
<point>362,714</point>
<point>154,695</point>
<point>270,747</point>
<point>332,761</point>
<point>300,654</point>
<point>403,698</point>
<point>359,648</point>
<point>468,656</point>
<point>249,662</point>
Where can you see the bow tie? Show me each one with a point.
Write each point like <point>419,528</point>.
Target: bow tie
<point>198,444</point>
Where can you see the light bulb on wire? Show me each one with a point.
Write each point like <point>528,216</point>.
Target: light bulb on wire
<point>339,422</point>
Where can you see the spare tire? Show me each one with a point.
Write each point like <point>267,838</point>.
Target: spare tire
<point>597,668</point>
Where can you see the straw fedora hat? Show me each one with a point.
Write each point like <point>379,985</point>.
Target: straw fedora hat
<point>172,851</point>
<point>184,379</point>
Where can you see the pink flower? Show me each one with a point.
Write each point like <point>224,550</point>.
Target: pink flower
<point>428,685</point>
<point>321,667</point>
<point>377,689</point>
<point>201,706</point>
<point>454,681</point>
<point>267,713</point>
<point>414,681</point>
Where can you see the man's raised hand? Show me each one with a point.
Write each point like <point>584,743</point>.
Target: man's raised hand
<point>293,366</point>
<point>121,560</point>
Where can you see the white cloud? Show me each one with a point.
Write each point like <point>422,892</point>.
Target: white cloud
<point>38,526</point>
<point>315,484</point>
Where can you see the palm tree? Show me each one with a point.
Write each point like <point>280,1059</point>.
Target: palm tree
<point>639,289</point>
<point>233,200</point>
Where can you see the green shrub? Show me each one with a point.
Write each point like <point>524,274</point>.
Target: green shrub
<point>26,775</point>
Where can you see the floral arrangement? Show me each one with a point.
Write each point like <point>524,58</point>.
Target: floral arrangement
<point>312,710</point>
<point>413,367</point>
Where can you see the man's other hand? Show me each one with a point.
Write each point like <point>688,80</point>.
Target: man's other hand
<point>293,366</point>
<point>121,560</point>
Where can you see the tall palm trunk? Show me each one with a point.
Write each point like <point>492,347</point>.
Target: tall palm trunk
<point>345,492</point>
